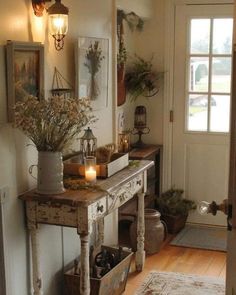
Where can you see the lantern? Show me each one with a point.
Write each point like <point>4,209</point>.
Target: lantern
<point>88,143</point>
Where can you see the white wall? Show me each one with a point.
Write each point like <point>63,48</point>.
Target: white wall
<point>17,22</point>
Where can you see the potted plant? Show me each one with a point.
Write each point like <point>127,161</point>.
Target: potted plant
<point>174,209</point>
<point>141,79</point>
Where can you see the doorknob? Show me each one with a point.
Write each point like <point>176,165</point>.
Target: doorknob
<point>206,207</point>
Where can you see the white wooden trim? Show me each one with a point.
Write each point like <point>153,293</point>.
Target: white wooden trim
<point>114,72</point>
<point>168,92</point>
<point>2,254</point>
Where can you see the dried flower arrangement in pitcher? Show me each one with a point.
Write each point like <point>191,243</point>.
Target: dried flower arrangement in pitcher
<point>52,124</point>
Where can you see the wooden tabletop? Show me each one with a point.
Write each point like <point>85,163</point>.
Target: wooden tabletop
<point>144,152</point>
<point>84,197</point>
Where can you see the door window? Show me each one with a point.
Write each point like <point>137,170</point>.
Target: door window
<point>209,74</point>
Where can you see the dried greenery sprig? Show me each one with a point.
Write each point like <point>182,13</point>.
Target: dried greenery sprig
<point>81,184</point>
<point>94,58</point>
<point>52,124</point>
<point>135,23</point>
<point>93,61</point>
<point>141,79</point>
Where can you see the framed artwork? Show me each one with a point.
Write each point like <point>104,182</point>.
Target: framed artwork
<point>92,70</point>
<point>25,72</point>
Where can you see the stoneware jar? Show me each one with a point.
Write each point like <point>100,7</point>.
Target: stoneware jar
<point>154,231</point>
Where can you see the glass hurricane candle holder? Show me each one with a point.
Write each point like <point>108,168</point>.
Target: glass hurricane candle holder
<point>90,169</point>
<point>124,142</point>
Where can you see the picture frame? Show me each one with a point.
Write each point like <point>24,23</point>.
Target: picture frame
<point>92,65</point>
<point>25,72</point>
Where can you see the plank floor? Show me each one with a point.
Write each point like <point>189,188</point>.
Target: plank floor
<point>179,259</point>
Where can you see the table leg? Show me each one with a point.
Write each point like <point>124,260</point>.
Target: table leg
<point>84,266</point>
<point>37,281</point>
<point>140,254</point>
<point>100,240</point>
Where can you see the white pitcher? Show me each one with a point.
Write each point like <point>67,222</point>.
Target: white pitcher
<point>50,173</point>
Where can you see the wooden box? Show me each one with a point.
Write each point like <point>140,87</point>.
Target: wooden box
<point>119,161</point>
<point>113,282</point>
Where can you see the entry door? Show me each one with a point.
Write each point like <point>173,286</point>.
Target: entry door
<point>231,253</point>
<point>202,84</point>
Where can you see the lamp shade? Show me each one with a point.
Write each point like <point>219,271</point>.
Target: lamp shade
<point>58,23</point>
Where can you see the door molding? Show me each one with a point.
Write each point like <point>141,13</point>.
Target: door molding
<point>2,259</point>
<point>170,8</point>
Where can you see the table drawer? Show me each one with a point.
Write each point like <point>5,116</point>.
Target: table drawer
<point>125,193</point>
<point>99,209</point>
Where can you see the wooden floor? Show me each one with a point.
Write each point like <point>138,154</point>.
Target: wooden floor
<point>179,259</point>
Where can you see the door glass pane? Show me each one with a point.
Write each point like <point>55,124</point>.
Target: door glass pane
<point>200,36</point>
<point>199,67</point>
<point>197,112</point>
<point>222,36</point>
<point>221,74</point>
<point>220,111</point>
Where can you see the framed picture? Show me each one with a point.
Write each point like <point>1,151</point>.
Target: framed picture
<point>25,72</point>
<point>92,70</point>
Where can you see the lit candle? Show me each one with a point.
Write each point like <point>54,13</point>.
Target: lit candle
<point>90,174</point>
<point>125,146</point>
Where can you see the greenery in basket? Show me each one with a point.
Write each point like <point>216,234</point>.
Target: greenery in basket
<point>172,202</point>
<point>52,124</point>
<point>141,79</point>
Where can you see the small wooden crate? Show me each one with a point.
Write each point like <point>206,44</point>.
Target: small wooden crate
<point>113,282</point>
<point>118,162</point>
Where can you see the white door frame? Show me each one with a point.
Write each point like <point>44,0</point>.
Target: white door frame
<point>2,254</point>
<point>170,7</point>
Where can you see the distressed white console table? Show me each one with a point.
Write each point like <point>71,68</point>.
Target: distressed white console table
<point>80,208</point>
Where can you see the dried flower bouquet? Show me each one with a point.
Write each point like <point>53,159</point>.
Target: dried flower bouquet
<point>52,124</point>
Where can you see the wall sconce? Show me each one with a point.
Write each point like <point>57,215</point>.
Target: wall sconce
<point>58,19</point>
<point>88,143</point>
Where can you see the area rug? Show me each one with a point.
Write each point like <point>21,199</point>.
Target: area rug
<point>202,237</point>
<point>168,283</point>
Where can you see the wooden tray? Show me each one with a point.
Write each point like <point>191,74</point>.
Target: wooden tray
<point>118,162</point>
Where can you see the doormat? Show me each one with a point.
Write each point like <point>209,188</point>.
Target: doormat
<point>202,237</point>
<point>168,283</point>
